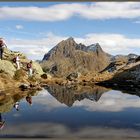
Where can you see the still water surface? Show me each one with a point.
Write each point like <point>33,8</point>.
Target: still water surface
<point>82,112</point>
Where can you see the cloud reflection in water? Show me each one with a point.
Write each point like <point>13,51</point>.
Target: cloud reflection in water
<point>113,101</point>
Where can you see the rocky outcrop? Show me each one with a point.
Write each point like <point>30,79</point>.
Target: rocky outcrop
<point>119,62</point>
<point>10,76</point>
<point>9,55</point>
<point>68,57</point>
<point>125,78</point>
<point>116,65</point>
<point>131,72</point>
<point>7,67</point>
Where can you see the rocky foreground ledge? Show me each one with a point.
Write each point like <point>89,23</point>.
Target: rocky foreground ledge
<point>10,77</point>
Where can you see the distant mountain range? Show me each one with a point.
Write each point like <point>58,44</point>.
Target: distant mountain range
<point>128,57</point>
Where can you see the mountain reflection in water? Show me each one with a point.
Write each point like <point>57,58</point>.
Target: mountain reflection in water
<point>69,95</point>
<point>80,111</point>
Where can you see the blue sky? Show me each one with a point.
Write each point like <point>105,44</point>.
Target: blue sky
<point>35,27</point>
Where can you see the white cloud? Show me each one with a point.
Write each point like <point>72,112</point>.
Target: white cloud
<point>111,43</point>
<point>19,27</point>
<point>101,11</point>
<point>35,49</point>
<point>112,101</point>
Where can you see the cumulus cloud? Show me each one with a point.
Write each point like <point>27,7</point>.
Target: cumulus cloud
<point>35,49</point>
<point>111,43</point>
<point>100,11</point>
<point>19,27</point>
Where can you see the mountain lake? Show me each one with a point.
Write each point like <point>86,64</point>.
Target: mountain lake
<point>82,112</point>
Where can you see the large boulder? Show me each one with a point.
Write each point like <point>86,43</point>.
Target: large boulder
<point>7,67</point>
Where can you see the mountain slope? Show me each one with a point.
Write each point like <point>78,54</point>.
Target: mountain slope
<point>68,56</point>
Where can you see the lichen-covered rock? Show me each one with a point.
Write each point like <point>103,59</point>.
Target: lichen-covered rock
<point>7,67</point>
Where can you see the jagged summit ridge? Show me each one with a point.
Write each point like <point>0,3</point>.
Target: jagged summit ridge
<point>94,47</point>
<point>65,47</point>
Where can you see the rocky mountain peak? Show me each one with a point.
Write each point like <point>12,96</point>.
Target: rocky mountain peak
<point>95,47</point>
<point>70,39</point>
<point>69,42</point>
<point>68,56</point>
